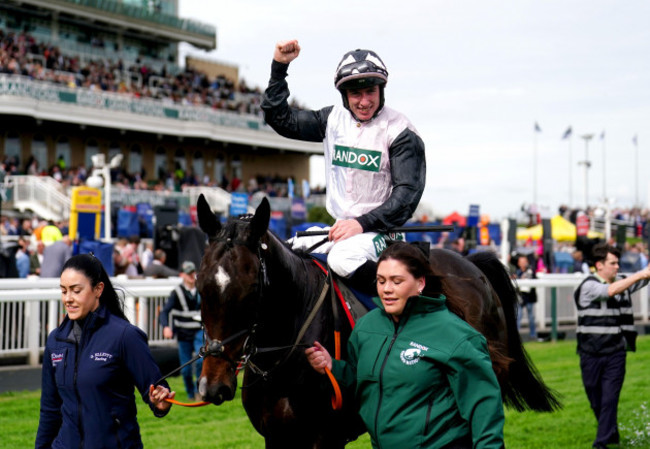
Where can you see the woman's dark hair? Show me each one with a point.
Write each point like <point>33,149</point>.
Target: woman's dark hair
<point>414,259</point>
<point>93,269</point>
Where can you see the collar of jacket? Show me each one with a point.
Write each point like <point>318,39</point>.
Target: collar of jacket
<point>93,320</point>
<point>417,304</point>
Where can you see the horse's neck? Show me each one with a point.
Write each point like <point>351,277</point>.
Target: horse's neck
<point>293,285</point>
<point>287,270</point>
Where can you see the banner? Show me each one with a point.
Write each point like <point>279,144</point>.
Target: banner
<point>473,216</point>
<point>238,204</point>
<point>298,209</point>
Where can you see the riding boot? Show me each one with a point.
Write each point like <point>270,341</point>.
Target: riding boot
<point>364,278</point>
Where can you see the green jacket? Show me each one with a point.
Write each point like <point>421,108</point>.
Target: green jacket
<point>425,382</point>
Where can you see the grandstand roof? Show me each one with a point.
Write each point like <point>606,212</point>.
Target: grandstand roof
<point>126,16</point>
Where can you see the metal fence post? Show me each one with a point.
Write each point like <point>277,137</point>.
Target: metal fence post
<point>554,314</point>
<point>129,308</point>
<point>644,304</point>
<point>33,343</point>
<point>143,315</point>
<point>52,318</point>
<point>540,311</point>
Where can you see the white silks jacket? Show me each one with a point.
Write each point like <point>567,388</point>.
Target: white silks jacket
<point>375,170</point>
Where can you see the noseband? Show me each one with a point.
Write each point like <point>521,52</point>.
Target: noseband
<point>215,348</point>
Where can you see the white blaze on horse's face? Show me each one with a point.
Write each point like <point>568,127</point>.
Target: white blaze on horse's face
<point>222,278</point>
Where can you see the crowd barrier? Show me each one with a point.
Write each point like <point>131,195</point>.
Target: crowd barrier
<point>30,309</point>
<point>556,306</point>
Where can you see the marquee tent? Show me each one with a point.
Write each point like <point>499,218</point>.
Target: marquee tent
<point>562,230</point>
<point>455,218</point>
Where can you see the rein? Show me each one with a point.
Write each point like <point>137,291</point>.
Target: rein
<point>291,348</point>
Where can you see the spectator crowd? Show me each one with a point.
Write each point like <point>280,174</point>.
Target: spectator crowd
<point>21,54</point>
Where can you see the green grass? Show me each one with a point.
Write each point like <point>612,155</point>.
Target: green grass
<point>226,426</point>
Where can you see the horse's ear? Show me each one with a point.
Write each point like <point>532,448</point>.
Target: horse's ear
<point>207,220</point>
<point>260,222</point>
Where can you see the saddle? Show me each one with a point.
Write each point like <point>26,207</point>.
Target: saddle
<point>355,303</point>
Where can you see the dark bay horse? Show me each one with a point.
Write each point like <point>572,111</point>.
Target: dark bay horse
<point>257,295</point>
<point>259,307</point>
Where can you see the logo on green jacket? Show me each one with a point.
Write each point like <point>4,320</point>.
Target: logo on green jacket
<point>411,356</point>
<point>368,160</point>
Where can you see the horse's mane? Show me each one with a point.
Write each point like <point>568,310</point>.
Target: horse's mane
<point>297,263</point>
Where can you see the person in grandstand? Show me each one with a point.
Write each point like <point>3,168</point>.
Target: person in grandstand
<point>423,376</point>
<point>374,157</point>
<point>91,365</point>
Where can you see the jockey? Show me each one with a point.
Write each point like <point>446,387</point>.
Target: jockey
<point>374,158</point>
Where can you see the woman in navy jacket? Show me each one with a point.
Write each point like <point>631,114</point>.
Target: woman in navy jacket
<point>91,364</point>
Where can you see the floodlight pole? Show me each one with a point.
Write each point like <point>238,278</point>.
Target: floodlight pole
<point>587,164</point>
<point>636,172</point>
<point>106,174</point>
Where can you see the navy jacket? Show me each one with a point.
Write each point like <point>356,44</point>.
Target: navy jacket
<point>87,398</point>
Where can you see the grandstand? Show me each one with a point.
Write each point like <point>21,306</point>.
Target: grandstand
<point>82,77</point>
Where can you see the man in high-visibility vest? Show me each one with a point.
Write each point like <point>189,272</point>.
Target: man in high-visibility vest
<point>181,317</point>
<point>605,332</point>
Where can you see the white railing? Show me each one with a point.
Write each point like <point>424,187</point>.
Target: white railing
<point>30,309</point>
<point>41,194</point>
<point>555,304</point>
<point>218,199</point>
<point>46,197</point>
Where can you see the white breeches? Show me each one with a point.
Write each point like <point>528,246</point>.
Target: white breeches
<point>345,256</point>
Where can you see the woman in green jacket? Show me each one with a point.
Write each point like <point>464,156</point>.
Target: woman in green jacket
<point>423,376</point>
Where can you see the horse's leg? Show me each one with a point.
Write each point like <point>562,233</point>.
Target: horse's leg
<point>282,428</point>
<point>285,427</point>
<point>251,399</point>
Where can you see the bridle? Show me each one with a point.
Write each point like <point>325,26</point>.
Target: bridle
<point>216,348</point>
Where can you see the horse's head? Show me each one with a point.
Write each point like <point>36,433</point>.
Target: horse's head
<point>229,281</point>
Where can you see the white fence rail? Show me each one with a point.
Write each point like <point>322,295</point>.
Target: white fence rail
<point>42,194</point>
<point>30,309</point>
<point>555,304</point>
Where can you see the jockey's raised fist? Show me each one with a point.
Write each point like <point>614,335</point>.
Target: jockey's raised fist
<point>286,51</point>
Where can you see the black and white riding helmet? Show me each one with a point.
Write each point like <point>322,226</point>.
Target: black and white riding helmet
<point>360,68</point>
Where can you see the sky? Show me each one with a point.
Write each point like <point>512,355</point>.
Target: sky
<point>474,77</point>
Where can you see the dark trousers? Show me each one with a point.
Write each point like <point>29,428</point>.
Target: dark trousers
<point>185,350</point>
<point>603,377</point>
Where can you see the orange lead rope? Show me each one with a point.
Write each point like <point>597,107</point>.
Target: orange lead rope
<point>337,345</point>
<point>202,403</point>
<point>337,399</point>
<point>187,404</point>
<point>184,404</point>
